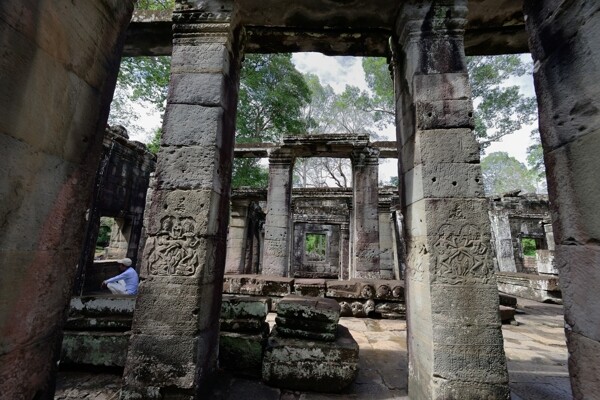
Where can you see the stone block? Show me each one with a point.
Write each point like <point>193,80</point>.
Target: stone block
<point>92,348</point>
<point>310,287</point>
<point>445,146</point>
<point>390,310</point>
<point>257,285</point>
<point>165,308</point>
<point>450,86</point>
<point>246,307</point>
<point>443,180</point>
<point>444,114</point>
<point>111,324</point>
<point>583,365</point>
<point>579,277</point>
<point>206,58</point>
<point>113,305</point>
<point>351,289</point>
<point>315,309</point>
<point>507,314</point>
<point>311,365</point>
<point>192,125</point>
<point>190,167</point>
<point>572,183</point>
<point>201,89</point>
<point>305,334</point>
<point>246,325</point>
<point>534,287</point>
<point>507,300</point>
<point>242,353</point>
<point>286,325</point>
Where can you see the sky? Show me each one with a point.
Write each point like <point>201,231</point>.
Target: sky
<point>341,71</point>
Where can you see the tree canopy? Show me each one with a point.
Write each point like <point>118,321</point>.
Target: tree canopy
<point>503,173</point>
<point>272,96</point>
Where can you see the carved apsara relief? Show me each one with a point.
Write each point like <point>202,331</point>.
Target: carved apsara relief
<point>173,250</point>
<point>461,255</point>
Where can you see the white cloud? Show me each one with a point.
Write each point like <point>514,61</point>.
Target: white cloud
<point>334,71</point>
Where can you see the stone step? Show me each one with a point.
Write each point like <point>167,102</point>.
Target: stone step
<point>245,307</point>
<point>92,348</point>
<point>318,366</point>
<point>310,308</point>
<point>111,323</point>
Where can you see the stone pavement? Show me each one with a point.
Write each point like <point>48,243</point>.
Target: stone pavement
<point>535,350</point>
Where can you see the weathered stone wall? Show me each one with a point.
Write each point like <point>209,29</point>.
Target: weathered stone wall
<point>57,72</point>
<point>514,218</point>
<point>120,191</point>
<point>565,48</point>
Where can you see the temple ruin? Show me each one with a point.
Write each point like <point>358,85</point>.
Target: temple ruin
<point>59,70</point>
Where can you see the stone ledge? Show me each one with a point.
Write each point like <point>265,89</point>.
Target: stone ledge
<point>533,287</point>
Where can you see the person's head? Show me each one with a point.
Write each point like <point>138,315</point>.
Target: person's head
<point>124,263</point>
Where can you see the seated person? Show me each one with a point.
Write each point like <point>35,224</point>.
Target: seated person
<point>124,283</point>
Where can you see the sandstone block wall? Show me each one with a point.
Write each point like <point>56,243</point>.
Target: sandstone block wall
<point>565,50</point>
<point>57,73</point>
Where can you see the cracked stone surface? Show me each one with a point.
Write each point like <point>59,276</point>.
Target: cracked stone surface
<point>535,350</point>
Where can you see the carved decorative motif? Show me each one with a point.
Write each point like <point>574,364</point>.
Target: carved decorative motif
<point>173,250</point>
<point>461,257</point>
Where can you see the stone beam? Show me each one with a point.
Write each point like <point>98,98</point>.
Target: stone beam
<point>493,27</point>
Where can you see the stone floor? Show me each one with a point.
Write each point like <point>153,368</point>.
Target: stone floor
<point>535,350</point>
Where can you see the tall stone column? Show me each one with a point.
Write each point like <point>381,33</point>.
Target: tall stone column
<point>455,341</point>
<point>365,227</point>
<point>174,346</point>
<point>565,48</point>
<point>237,237</point>
<point>344,252</point>
<point>276,249</point>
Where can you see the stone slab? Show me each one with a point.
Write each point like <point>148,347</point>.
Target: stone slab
<point>100,349</point>
<point>117,323</point>
<point>257,285</point>
<point>245,307</point>
<point>242,353</point>
<point>310,287</point>
<point>534,287</point>
<point>310,365</point>
<point>101,305</point>
<point>315,309</point>
<point>243,325</point>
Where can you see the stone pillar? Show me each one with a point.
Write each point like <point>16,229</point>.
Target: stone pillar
<point>237,237</point>
<point>454,336</point>
<point>174,346</point>
<point>344,252</point>
<point>276,250</point>
<point>58,71</point>
<point>386,245</point>
<point>365,227</point>
<point>502,240</point>
<point>565,49</point>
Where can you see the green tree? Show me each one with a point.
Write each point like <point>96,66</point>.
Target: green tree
<point>379,80</point>
<point>142,81</point>
<point>154,144</point>
<point>500,108</point>
<point>503,173</point>
<point>272,98</point>
<point>535,155</point>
